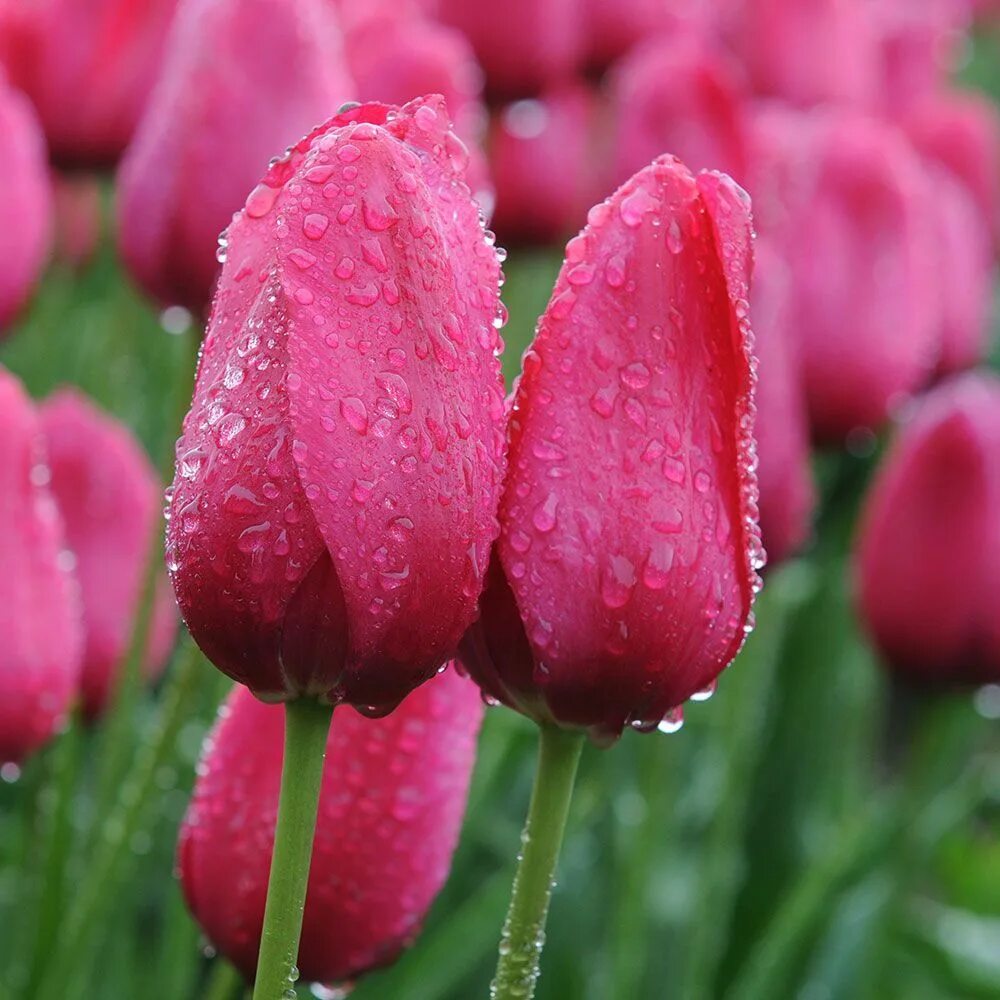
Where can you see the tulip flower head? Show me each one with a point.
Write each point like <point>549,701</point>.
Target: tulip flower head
<point>337,478</point>
<point>88,67</point>
<point>25,202</point>
<point>241,81</point>
<point>39,607</point>
<point>391,806</point>
<point>928,554</point>
<point>109,499</point>
<point>623,579</point>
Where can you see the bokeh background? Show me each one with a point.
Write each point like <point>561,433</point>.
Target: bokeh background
<point>817,830</point>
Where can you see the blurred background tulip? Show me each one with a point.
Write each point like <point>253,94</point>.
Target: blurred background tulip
<point>928,563</point>
<point>242,80</point>
<point>391,806</point>
<point>39,601</point>
<point>25,202</point>
<point>88,66</point>
<point>109,499</point>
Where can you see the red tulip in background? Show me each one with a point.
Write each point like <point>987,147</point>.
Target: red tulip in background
<point>522,45</point>
<point>961,130</point>
<point>39,610</point>
<point>242,79</point>
<point>809,51</point>
<point>678,94</point>
<point>77,206</point>
<point>25,202</point>
<point>846,200</point>
<point>626,566</point>
<point>390,810</point>
<point>109,499</point>
<point>543,159</point>
<point>338,474</point>
<point>928,557</point>
<point>88,67</point>
<point>784,475</point>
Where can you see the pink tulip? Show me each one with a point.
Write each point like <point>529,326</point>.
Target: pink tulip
<point>109,499</point>
<point>25,203</point>
<point>39,610</point>
<point>846,199</point>
<point>615,26</point>
<point>242,80</point>
<point>961,130</point>
<point>626,566</point>
<point>390,809</point>
<point>88,67</point>
<point>787,496</point>
<point>543,157</point>
<point>928,556</point>
<point>338,474</point>
<point>679,96</point>
<point>523,46</point>
<point>809,51</point>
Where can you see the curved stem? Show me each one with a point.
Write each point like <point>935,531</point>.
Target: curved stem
<point>524,929</point>
<point>307,724</point>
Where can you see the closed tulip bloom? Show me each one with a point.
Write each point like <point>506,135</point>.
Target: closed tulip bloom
<point>961,131</point>
<point>623,579</point>
<point>787,495</point>
<point>242,80</point>
<point>545,166</point>
<point>25,202</point>
<point>88,66</point>
<point>614,26</point>
<point>809,51</point>
<point>77,208</point>
<point>390,809</point>
<point>928,554</point>
<point>679,96</point>
<point>338,473</point>
<point>109,499</point>
<point>856,232</point>
<point>523,46</point>
<point>966,270</point>
<point>39,610</point>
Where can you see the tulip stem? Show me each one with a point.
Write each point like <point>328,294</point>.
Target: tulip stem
<point>307,724</point>
<point>524,929</point>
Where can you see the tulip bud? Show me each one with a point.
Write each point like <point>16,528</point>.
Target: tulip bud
<point>88,67</point>
<point>242,79</point>
<point>25,202</point>
<point>338,474</point>
<point>787,495</point>
<point>523,46</point>
<point>928,554</point>
<point>809,51</point>
<point>39,611</point>
<point>390,810</point>
<point>543,165</point>
<point>677,95</point>
<point>961,131</point>
<point>855,230</point>
<point>77,207</point>
<point>109,499</point>
<point>626,567</point>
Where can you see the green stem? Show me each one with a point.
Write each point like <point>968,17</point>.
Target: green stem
<point>224,982</point>
<point>307,724</point>
<point>524,929</point>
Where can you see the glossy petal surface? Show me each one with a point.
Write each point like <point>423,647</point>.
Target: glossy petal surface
<point>629,540</point>
<point>242,80</point>
<point>390,809</point>
<point>338,476</point>
<point>109,499</point>
<point>39,609</point>
<point>929,548</point>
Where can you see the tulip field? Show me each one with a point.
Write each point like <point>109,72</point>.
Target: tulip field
<point>499,500</point>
